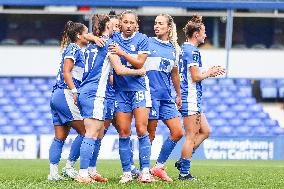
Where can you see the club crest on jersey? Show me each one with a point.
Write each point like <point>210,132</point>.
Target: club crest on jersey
<point>195,56</point>
<point>164,64</point>
<point>132,48</point>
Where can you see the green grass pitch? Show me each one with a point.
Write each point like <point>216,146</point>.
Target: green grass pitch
<point>211,174</point>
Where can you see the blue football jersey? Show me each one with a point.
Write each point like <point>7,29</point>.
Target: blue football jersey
<point>74,52</point>
<point>134,45</point>
<point>190,56</point>
<point>110,92</point>
<point>97,70</point>
<point>159,65</point>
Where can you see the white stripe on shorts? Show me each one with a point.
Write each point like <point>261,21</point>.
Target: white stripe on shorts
<point>99,106</point>
<point>72,107</point>
<point>148,94</point>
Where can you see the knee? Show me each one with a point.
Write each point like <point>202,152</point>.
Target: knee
<point>177,135</point>
<point>141,129</point>
<point>124,132</point>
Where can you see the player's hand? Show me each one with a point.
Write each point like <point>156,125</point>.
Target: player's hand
<point>99,41</point>
<point>178,102</point>
<point>114,49</point>
<point>75,98</point>
<point>215,71</point>
<point>142,71</point>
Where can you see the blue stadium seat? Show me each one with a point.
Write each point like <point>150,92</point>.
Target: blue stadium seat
<point>31,42</point>
<point>226,81</point>
<point>261,115</point>
<point>29,87</point>
<point>211,115</point>
<point>20,122</point>
<point>248,101</point>
<point>221,108</point>
<point>21,81</point>
<point>4,101</point>
<point>213,101</point>
<point>15,115</point>
<point>231,100</point>
<point>225,94</point>
<point>47,94</point>
<point>33,94</point>
<point>39,123</point>
<point>225,131</point>
<point>270,123</point>
<point>39,81</point>
<point>215,88</point>
<point>3,122</point>
<point>26,108</point>
<point>26,130</point>
<point>239,108</point>
<point>15,94</point>
<point>236,122</point>
<point>280,86</point>
<point>44,87</point>
<point>5,81</point>
<point>229,115</point>
<point>232,88</point>
<point>8,108</point>
<point>245,91</point>
<point>245,115</point>
<point>278,130</point>
<point>254,122</point>
<point>256,108</point>
<point>33,115</point>
<point>244,131</point>
<point>243,82</point>
<point>8,130</point>
<point>51,42</point>
<point>40,101</point>
<point>219,122</point>
<point>208,94</point>
<point>48,129</point>
<point>44,108</point>
<point>209,81</point>
<point>46,115</point>
<point>21,101</point>
<point>261,131</point>
<point>268,88</point>
<point>10,88</point>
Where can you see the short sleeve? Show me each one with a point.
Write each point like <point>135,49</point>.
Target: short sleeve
<point>70,52</point>
<point>192,58</point>
<point>143,46</point>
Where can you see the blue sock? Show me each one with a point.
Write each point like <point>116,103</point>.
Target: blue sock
<point>124,152</point>
<point>55,151</point>
<point>185,166</point>
<point>93,162</point>
<point>166,150</point>
<point>86,152</point>
<point>75,148</point>
<point>131,152</point>
<point>144,151</point>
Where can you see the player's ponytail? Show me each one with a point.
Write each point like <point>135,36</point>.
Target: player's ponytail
<point>71,30</point>
<point>173,33</point>
<point>99,23</point>
<point>193,25</point>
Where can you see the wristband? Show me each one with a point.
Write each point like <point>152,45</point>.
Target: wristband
<point>74,90</point>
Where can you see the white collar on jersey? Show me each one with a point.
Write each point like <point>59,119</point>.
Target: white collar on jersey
<point>127,37</point>
<point>76,45</point>
<point>188,43</point>
<point>161,40</point>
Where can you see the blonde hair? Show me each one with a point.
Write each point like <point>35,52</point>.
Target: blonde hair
<point>173,33</point>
